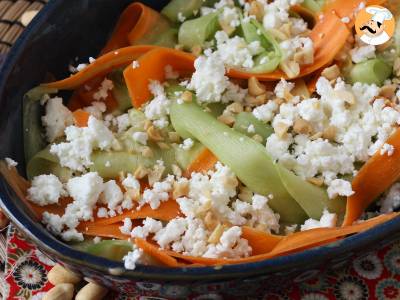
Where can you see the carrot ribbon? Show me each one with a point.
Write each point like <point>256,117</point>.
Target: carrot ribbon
<point>375,177</point>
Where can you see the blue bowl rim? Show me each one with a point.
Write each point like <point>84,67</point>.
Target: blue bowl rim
<point>72,256</point>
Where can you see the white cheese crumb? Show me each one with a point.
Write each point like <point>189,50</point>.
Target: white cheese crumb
<point>157,194</point>
<point>112,195</point>
<point>339,187</point>
<point>387,149</point>
<point>135,64</point>
<point>327,220</point>
<point>56,119</point>
<point>75,153</point>
<point>266,111</point>
<point>391,200</point>
<point>187,144</point>
<point>157,109</point>
<point>149,226</point>
<point>251,129</point>
<point>45,190</point>
<point>106,86</point>
<point>123,122</point>
<point>96,239</point>
<point>132,258</point>
<point>107,164</point>
<point>181,17</point>
<point>140,137</point>
<point>10,163</point>
<point>209,80</point>
<point>363,53</point>
<point>102,212</point>
<point>126,228</point>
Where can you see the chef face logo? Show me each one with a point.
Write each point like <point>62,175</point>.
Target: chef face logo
<point>375,25</point>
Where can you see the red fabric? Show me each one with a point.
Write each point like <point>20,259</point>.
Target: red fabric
<point>374,276</point>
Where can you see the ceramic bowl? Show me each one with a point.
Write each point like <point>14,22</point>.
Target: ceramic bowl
<point>64,30</point>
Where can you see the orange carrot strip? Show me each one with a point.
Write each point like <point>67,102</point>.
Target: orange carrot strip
<point>375,176</point>
<point>205,161</point>
<point>81,118</point>
<point>100,67</point>
<point>134,23</point>
<point>293,243</point>
<point>260,241</point>
<point>109,231</point>
<point>152,67</point>
<point>156,253</point>
<point>319,236</point>
<point>167,211</point>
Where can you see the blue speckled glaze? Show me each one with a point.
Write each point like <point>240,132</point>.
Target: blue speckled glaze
<point>66,29</point>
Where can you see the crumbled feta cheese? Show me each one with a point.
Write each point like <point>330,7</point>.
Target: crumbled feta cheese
<point>209,80</point>
<point>234,93</point>
<point>339,187</point>
<point>387,149</point>
<point>84,190</point>
<point>140,137</point>
<point>10,163</point>
<point>75,153</point>
<point>102,212</point>
<point>327,220</point>
<point>363,53</point>
<point>102,93</point>
<point>132,258</point>
<point>229,16</point>
<point>187,144</point>
<point>126,228</point>
<point>130,182</point>
<point>181,17</point>
<point>45,190</point>
<point>135,64</point>
<point>72,235</point>
<point>123,122</point>
<point>266,111</point>
<point>56,119</point>
<point>235,52</point>
<point>171,232</point>
<point>157,194</point>
<point>96,239</point>
<point>251,129</point>
<point>96,109</point>
<point>391,200</point>
<point>112,195</point>
<point>157,109</point>
<point>149,226</point>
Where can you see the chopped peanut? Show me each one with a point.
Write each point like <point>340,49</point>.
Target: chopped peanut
<point>187,96</point>
<point>388,91</point>
<point>210,221</point>
<point>141,172</point>
<point>281,129</point>
<point>302,126</point>
<point>176,170</point>
<point>257,10</point>
<point>154,134</point>
<point>318,181</point>
<point>329,133</point>
<point>196,50</point>
<point>163,145</point>
<point>147,152</point>
<point>174,137</point>
<point>216,234</point>
<point>156,174</point>
<point>331,72</point>
<point>258,138</point>
<point>255,87</point>
<point>227,119</point>
<point>180,189</point>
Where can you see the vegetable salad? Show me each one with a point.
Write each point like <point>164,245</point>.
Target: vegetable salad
<point>217,132</point>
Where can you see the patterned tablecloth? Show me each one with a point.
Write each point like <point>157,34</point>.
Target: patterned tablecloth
<point>374,276</point>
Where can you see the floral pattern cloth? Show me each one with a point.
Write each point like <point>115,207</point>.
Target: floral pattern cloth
<point>374,276</point>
